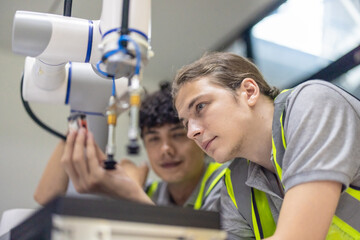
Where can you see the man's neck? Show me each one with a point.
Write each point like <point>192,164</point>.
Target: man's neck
<point>262,153</point>
<point>180,192</point>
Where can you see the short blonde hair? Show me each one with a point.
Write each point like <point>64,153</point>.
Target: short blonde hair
<point>226,69</point>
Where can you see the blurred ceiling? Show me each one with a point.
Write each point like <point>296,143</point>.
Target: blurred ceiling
<point>182,30</point>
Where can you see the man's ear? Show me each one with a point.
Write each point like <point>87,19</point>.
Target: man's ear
<point>250,91</point>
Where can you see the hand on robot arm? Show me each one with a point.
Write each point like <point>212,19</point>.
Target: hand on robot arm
<point>82,162</point>
<point>63,51</point>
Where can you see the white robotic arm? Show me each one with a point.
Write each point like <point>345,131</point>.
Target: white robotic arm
<point>59,39</point>
<point>72,61</point>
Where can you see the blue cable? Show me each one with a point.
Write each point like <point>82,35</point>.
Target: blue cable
<point>110,31</point>
<point>100,71</point>
<point>112,52</point>
<point>137,51</point>
<point>113,87</point>
<point>106,56</point>
<point>130,30</point>
<point>139,32</point>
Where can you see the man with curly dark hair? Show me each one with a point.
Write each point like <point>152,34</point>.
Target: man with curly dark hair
<point>189,179</point>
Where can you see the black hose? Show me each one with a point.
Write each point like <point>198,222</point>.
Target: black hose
<point>125,20</point>
<point>67,12</point>
<point>67,8</point>
<point>33,116</point>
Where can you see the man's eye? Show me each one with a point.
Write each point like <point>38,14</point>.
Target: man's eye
<point>153,139</point>
<point>199,107</point>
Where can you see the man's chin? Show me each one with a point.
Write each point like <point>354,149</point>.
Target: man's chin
<point>220,158</point>
<point>172,178</point>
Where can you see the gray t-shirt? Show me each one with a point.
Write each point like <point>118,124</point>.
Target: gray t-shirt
<point>234,222</point>
<point>322,131</point>
<point>211,202</point>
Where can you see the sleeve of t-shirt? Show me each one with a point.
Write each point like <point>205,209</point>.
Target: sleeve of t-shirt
<point>231,220</point>
<point>322,134</point>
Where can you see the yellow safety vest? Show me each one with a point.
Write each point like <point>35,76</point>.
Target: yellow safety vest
<point>250,202</point>
<point>340,228</point>
<point>213,174</point>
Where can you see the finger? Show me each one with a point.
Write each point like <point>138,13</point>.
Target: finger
<point>92,155</point>
<point>66,158</point>
<point>100,154</point>
<point>144,166</point>
<point>144,171</point>
<point>79,161</point>
<point>126,162</point>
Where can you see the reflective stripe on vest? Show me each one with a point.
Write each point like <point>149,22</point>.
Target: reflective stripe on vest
<point>344,225</point>
<point>250,202</point>
<point>213,174</point>
<point>152,188</point>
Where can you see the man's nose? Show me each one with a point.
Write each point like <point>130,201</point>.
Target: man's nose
<point>194,129</point>
<point>167,148</point>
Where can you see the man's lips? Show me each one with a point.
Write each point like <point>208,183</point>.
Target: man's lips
<point>170,164</point>
<point>205,145</point>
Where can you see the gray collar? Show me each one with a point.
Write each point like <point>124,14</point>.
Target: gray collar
<point>263,180</point>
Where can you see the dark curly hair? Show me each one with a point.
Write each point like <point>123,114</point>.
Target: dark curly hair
<point>157,108</point>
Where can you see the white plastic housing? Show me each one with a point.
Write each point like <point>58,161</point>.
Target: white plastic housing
<point>52,41</point>
<point>139,15</point>
<point>36,84</point>
<point>55,39</point>
<point>88,90</point>
<point>139,19</point>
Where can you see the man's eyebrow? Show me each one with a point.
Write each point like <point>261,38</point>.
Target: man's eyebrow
<point>191,104</point>
<point>150,131</point>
